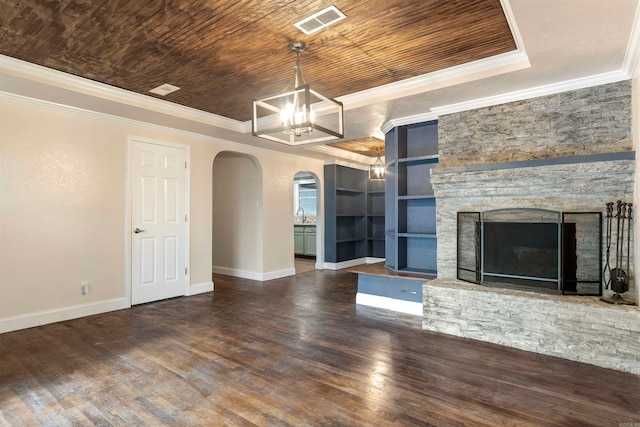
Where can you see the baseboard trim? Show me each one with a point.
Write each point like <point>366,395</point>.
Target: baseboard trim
<point>200,288</point>
<point>252,275</point>
<point>279,274</point>
<point>392,304</point>
<point>372,260</point>
<point>45,317</point>
<point>344,264</point>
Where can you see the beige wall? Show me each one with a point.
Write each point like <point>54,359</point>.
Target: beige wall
<point>63,202</point>
<point>237,212</point>
<point>280,203</point>
<point>62,209</point>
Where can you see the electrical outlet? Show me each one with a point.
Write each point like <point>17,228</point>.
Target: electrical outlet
<point>84,288</point>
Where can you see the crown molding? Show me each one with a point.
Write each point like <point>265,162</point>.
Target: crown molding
<point>227,144</point>
<point>632,54</point>
<point>417,118</point>
<point>349,158</point>
<point>513,25</point>
<point>544,90</point>
<point>78,84</point>
<point>483,68</point>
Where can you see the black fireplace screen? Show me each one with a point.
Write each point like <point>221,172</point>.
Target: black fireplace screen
<point>531,249</point>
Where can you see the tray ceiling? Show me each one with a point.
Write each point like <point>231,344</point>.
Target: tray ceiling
<point>223,53</point>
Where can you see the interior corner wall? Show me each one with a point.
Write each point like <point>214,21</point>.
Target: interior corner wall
<point>63,209</point>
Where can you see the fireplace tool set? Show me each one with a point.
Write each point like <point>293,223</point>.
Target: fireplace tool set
<point>617,277</point>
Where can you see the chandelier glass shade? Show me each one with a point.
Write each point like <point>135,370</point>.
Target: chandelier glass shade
<point>299,115</point>
<point>377,169</point>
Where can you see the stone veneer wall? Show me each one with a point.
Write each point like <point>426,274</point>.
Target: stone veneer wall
<point>585,121</point>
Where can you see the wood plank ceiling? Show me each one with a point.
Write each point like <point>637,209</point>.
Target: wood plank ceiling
<point>370,146</point>
<point>222,53</point>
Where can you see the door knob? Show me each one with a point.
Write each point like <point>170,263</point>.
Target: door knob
<point>137,230</point>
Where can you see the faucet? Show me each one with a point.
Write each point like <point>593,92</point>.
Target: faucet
<point>298,212</point>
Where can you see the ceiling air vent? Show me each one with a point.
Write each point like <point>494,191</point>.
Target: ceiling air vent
<point>320,20</point>
<point>164,89</point>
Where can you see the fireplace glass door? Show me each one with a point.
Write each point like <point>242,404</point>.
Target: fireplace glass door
<point>531,249</point>
<point>520,248</point>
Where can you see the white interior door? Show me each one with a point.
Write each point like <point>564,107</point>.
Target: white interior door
<point>158,221</point>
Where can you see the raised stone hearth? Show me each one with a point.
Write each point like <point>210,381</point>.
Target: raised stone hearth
<point>583,329</point>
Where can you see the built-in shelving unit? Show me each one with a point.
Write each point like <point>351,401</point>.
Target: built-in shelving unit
<point>345,214</point>
<point>375,219</point>
<point>411,152</point>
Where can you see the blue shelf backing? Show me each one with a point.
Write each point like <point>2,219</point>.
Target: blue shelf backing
<point>345,213</point>
<point>412,153</point>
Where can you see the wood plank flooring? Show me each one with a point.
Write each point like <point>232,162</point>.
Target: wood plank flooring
<point>294,351</point>
<point>304,264</point>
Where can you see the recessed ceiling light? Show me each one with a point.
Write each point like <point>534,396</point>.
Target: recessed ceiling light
<point>320,20</point>
<point>164,89</point>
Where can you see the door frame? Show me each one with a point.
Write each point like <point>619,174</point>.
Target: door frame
<point>131,139</point>
<point>319,217</point>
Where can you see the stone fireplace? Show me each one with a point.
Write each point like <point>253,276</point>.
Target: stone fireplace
<point>553,158</point>
<point>578,185</point>
<point>598,333</point>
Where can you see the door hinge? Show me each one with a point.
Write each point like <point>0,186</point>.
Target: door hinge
<point>185,218</point>
<point>185,165</point>
<point>185,271</point>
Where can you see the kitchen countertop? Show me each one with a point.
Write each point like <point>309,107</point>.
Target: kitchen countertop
<point>308,220</point>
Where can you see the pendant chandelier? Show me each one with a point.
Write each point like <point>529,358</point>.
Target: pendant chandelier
<point>299,115</point>
<point>376,170</point>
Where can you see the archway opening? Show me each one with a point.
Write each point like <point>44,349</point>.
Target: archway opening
<point>237,215</point>
<point>306,206</point>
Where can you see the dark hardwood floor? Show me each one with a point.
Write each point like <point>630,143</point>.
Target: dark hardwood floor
<point>294,351</point>
<point>304,264</point>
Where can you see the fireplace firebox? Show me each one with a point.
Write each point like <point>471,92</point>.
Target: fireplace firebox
<point>531,249</point>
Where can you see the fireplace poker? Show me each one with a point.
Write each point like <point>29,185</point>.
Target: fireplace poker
<point>628,244</point>
<point>614,273</point>
<point>621,275</point>
<point>618,280</point>
<point>609,219</point>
